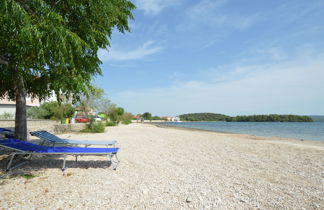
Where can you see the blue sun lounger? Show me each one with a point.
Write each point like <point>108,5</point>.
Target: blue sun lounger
<point>7,133</point>
<point>51,138</point>
<point>25,148</point>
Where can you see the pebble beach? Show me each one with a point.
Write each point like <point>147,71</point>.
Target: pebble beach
<point>171,168</point>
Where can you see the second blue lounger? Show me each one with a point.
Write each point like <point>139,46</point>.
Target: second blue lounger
<point>48,137</point>
<point>7,133</point>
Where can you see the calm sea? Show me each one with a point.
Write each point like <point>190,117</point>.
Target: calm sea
<point>307,131</point>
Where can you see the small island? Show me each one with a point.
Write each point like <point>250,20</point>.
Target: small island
<point>203,117</point>
<point>270,118</point>
<point>245,118</point>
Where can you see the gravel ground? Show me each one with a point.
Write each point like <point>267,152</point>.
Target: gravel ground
<point>168,168</point>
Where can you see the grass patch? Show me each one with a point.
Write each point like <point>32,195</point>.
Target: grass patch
<point>28,176</point>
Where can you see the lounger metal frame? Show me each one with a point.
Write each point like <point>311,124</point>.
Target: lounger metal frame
<point>111,157</point>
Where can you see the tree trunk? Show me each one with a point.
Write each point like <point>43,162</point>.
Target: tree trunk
<point>21,119</point>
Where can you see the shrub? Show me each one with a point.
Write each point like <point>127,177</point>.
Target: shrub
<point>126,122</point>
<point>110,123</point>
<point>115,114</point>
<point>95,127</point>
<point>51,110</point>
<point>126,118</point>
<point>7,116</point>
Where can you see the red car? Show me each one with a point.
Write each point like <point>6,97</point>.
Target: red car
<point>82,120</point>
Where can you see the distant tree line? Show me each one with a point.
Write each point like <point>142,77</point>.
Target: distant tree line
<point>317,118</point>
<point>270,118</point>
<point>203,117</point>
<point>244,118</point>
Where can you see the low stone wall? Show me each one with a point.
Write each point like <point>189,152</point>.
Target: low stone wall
<point>48,125</point>
<point>69,128</point>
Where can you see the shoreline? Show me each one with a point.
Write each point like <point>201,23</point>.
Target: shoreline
<point>243,135</point>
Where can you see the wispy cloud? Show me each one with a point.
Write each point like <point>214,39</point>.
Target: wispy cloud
<point>205,7</point>
<point>287,87</point>
<point>154,7</point>
<point>209,12</point>
<point>146,49</point>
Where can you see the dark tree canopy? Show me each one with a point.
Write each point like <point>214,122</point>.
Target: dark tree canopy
<point>270,118</point>
<point>52,45</point>
<point>147,116</point>
<point>203,117</point>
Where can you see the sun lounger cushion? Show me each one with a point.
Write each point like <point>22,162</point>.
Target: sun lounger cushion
<point>30,147</point>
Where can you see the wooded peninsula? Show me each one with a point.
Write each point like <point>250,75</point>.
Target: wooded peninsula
<point>245,118</point>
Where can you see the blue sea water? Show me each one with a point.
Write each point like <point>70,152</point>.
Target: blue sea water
<point>300,130</point>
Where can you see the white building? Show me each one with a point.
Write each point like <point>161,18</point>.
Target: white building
<point>7,106</point>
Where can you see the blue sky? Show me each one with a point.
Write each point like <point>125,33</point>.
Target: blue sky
<point>221,56</point>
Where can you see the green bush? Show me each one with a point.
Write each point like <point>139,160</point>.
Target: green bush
<point>126,118</point>
<point>95,127</point>
<point>110,123</point>
<point>115,114</point>
<point>51,110</point>
<point>126,122</point>
<point>7,116</point>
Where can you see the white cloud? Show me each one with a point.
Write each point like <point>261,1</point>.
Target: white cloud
<point>147,49</point>
<point>209,12</point>
<point>154,7</point>
<point>275,53</point>
<point>205,7</point>
<point>287,87</point>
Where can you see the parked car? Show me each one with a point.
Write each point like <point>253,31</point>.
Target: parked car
<point>81,120</point>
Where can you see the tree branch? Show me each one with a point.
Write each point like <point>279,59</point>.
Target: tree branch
<point>54,3</point>
<point>4,60</point>
<point>25,6</point>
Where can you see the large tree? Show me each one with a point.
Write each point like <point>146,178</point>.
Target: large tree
<point>52,45</point>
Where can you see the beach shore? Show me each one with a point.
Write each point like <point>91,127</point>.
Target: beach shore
<point>172,168</point>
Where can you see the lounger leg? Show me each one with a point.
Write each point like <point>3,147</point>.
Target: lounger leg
<point>76,158</point>
<point>115,162</point>
<point>10,161</point>
<point>16,166</point>
<point>63,168</point>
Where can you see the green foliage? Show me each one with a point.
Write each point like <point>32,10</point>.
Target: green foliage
<point>156,118</point>
<point>126,118</point>
<point>115,114</point>
<point>51,45</point>
<point>7,116</point>
<point>111,123</point>
<point>94,127</point>
<point>203,117</point>
<point>126,122</point>
<point>51,110</point>
<point>270,118</point>
<point>28,176</point>
<point>147,116</point>
<point>103,116</point>
<point>67,110</point>
<point>92,100</point>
